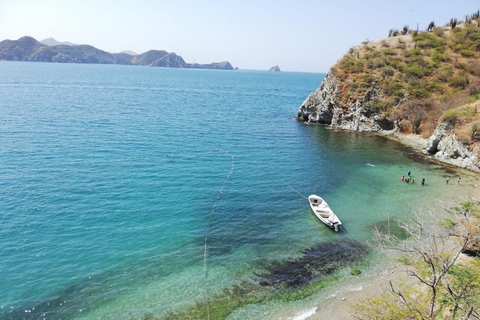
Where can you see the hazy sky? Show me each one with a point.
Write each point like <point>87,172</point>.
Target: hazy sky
<point>252,34</point>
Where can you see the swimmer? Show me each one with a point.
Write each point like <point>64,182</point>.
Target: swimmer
<point>423,181</point>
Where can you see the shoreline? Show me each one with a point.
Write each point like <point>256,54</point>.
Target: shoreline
<point>335,302</point>
<point>415,142</point>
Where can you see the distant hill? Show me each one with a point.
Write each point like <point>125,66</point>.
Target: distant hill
<point>274,69</point>
<point>29,49</point>
<point>52,42</point>
<point>129,52</point>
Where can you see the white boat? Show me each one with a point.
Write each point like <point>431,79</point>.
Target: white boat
<point>322,210</point>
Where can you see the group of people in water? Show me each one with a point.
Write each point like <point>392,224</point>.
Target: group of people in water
<point>409,179</point>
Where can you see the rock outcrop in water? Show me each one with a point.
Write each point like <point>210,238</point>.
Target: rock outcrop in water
<point>322,106</point>
<point>444,147</point>
<point>29,49</point>
<point>275,68</point>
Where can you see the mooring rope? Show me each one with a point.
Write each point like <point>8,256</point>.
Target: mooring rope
<point>295,190</point>
<point>220,192</point>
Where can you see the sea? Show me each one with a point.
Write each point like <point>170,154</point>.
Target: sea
<point>153,193</point>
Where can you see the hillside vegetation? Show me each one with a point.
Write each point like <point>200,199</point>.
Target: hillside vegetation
<point>419,77</point>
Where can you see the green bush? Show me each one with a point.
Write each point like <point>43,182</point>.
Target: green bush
<point>378,63</point>
<point>365,85</point>
<point>399,94</point>
<point>418,92</point>
<point>392,87</point>
<point>394,63</point>
<point>387,72</point>
<point>376,54</point>
<point>434,86</point>
<point>467,53</point>
<point>389,52</point>
<point>458,82</point>
<point>368,79</point>
<point>353,86</point>
<point>377,105</point>
<point>439,57</point>
<point>369,64</point>
<point>450,115</point>
<point>413,52</point>
<point>415,71</point>
<point>428,40</point>
<point>358,66</point>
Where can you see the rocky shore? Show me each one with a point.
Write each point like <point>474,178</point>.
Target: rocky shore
<point>324,107</point>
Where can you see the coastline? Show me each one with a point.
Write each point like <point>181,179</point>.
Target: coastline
<point>336,301</point>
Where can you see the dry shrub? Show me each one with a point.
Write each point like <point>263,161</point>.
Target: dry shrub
<point>428,127</point>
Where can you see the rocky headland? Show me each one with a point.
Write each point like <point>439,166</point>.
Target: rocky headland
<point>29,49</point>
<point>424,84</point>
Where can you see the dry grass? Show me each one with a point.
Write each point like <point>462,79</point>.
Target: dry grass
<point>416,77</point>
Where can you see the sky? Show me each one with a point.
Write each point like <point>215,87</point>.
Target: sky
<point>301,35</point>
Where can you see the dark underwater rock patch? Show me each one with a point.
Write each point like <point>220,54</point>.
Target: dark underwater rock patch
<point>321,260</point>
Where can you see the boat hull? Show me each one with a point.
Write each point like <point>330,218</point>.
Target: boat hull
<point>323,212</point>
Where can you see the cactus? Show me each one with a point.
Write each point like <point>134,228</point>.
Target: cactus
<point>473,131</point>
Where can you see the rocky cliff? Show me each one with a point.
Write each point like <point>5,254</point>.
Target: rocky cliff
<point>323,106</point>
<point>443,146</point>
<point>425,83</point>
<point>29,49</point>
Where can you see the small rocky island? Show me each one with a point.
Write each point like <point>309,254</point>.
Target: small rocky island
<point>274,69</point>
<point>423,83</point>
<point>29,49</point>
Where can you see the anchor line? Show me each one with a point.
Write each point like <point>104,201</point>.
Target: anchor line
<point>210,217</point>
<point>295,190</point>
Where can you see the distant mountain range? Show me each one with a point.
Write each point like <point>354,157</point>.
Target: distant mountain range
<point>50,50</point>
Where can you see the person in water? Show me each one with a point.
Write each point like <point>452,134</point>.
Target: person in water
<point>423,181</point>
<point>448,179</point>
<point>408,173</point>
<point>403,178</point>
<point>413,181</point>
<point>458,180</point>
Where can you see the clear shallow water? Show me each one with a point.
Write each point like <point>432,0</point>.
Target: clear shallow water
<point>108,175</point>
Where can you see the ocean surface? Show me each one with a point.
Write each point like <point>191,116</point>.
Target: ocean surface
<point>135,192</point>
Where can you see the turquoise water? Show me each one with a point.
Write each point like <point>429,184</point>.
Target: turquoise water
<point>108,177</point>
